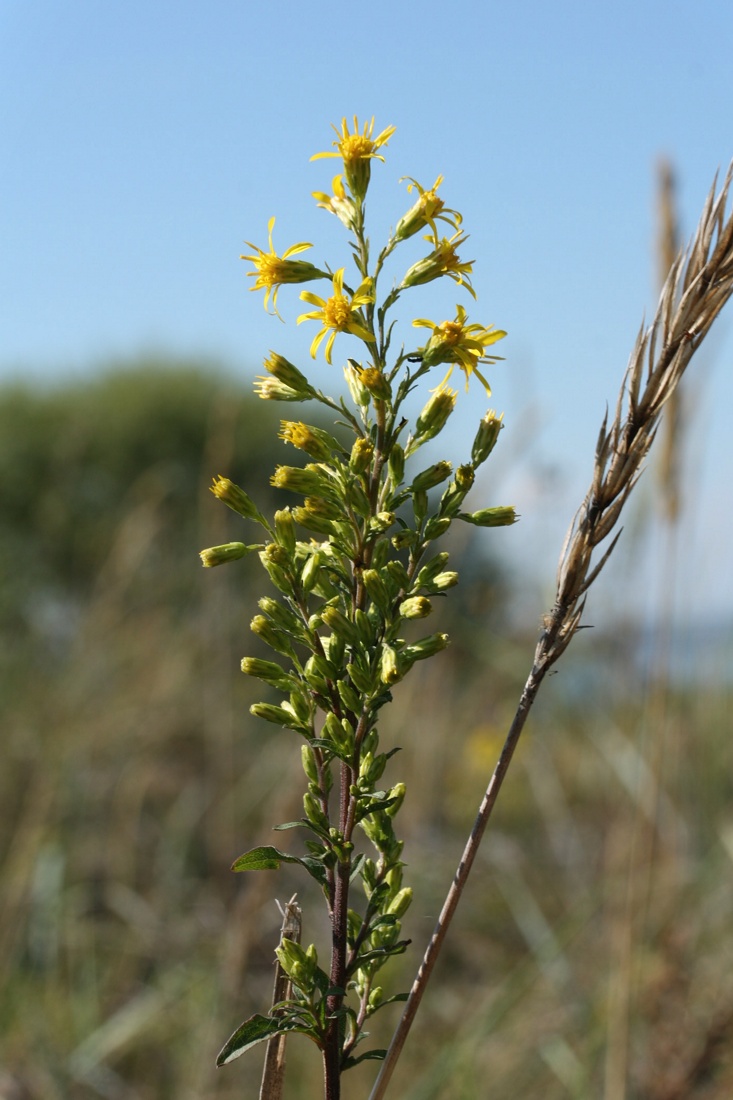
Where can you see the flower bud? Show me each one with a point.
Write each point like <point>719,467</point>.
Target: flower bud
<point>235,498</point>
<point>297,479</point>
<point>314,441</point>
<point>268,671</point>
<point>361,455</point>
<point>219,555</point>
<point>404,539</point>
<point>434,416</point>
<point>284,372</point>
<point>389,669</point>
<point>433,476</point>
<point>357,389</point>
<point>491,517</point>
<point>336,621</point>
<point>397,792</point>
<point>427,647</point>
<point>401,902</point>
<point>376,382</point>
<point>377,589</point>
<point>416,607</point>
<point>382,521</point>
<point>397,464</point>
<point>276,639</point>
<point>279,716</point>
<point>486,437</point>
<point>269,389</point>
<point>436,527</point>
<point>285,530</point>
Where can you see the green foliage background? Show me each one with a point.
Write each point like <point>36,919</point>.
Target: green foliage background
<point>131,775</point>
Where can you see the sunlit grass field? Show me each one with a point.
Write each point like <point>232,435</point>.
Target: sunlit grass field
<point>593,952</point>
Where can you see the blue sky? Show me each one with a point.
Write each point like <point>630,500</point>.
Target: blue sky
<point>143,144</point>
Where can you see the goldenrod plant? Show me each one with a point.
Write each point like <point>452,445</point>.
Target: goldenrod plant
<point>356,567</point>
<point>353,572</point>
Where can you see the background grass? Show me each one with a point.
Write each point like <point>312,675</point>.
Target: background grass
<point>592,953</point>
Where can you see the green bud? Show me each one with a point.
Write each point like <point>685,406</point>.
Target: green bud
<point>398,793</point>
<point>306,480</point>
<point>491,517</point>
<point>431,569</point>
<point>235,498</point>
<point>349,697</point>
<point>376,382</point>
<point>361,455</point>
<point>283,370</point>
<point>401,902</point>
<point>434,416</point>
<point>285,529</point>
<point>281,615</point>
<point>396,464</point>
<point>434,475</point>
<point>389,669</point>
<point>416,607</point>
<point>367,633</point>
<point>309,764</point>
<point>314,813</point>
<point>314,441</point>
<point>279,716</point>
<point>382,521</point>
<point>276,639</point>
<point>360,679</point>
<point>311,569</point>
<point>427,647</point>
<point>274,557</point>
<point>269,389</point>
<point>377,589</point>
<point>436,527</point>
<point>375,999</point>
<point>398,574</point>
<point>359,392</point>
<point>268,671</point>
<point>336,621</point>
<point>420,505</point>
<point>445,580</point>
<point>486,437</point>
<point>404,539</point>
<point>220,555</point>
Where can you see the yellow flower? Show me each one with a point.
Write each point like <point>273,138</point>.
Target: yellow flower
<point>357,150</point>
<point>271,270</point>
<point>459,344</point>
<point>424,212</point>
<point>339,203</point>
<point>338,313</point>
<point>443,260</point>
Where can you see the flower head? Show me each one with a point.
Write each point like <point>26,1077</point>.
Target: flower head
<point>357,151</point>
<point>271,270</point>
<point>338,203</point>
<point>459,344</point>
<point>338,313</point>
<point>424,212</point>
<point>443,260</point>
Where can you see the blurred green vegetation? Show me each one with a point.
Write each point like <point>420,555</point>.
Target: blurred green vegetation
<point>594,944</point>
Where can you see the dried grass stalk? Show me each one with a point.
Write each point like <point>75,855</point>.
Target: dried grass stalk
<point>697,287</point>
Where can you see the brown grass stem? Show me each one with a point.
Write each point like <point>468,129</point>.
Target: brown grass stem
<point>697,287</point>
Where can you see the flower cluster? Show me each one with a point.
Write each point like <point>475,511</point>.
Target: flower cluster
<point>355,570</point>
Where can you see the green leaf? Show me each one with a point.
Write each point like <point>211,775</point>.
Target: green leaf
<point>255,1030</point>
<point>267,858</point>
<point>368,1055</point>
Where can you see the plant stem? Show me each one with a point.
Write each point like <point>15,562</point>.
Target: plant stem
<point>459,881</point>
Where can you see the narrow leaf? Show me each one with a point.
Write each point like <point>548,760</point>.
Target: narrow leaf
<point>255,1030</point>
<point>267,858</point>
